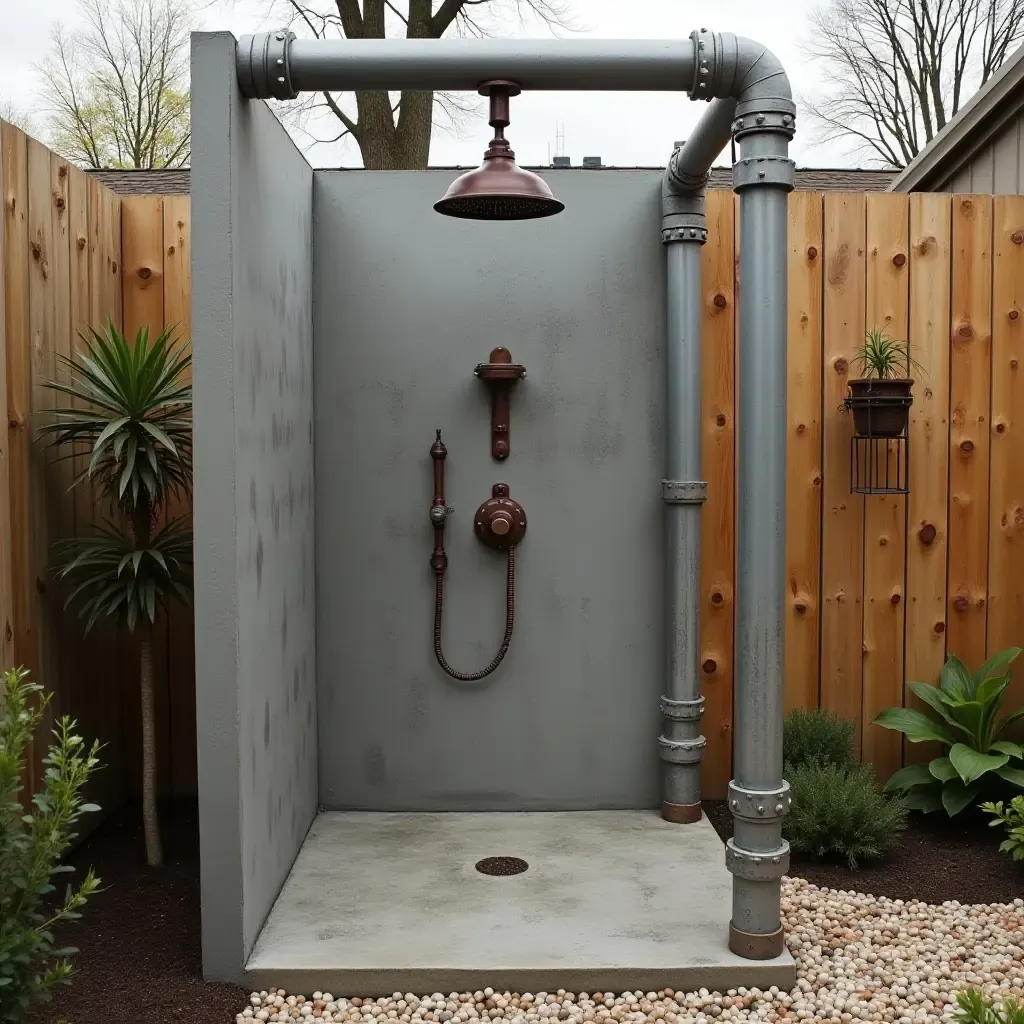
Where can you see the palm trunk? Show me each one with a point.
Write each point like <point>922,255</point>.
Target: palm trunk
<point>150,820</point>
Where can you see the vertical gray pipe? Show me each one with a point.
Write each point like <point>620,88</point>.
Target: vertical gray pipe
<point>757,855</point>
<point>681,745</point>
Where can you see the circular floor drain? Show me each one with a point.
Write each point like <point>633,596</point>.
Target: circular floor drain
<point>501,866</point>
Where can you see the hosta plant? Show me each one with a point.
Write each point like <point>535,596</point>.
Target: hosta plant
<point>1011,817</point>
<point>126,412</point>
<point>32,845</point>
<point>966,721</point>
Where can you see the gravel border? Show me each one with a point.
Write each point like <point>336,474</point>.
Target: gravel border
<point>858,957</point>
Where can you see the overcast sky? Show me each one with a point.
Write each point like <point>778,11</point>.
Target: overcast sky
<point>622,128</point>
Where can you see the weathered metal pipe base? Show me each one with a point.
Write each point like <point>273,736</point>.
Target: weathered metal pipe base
<point>680,814</point>
<point>757,947</point>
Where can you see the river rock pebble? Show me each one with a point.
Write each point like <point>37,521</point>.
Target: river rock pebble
<point>858,958</point>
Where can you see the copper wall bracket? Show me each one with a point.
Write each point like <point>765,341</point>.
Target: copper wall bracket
<point>500,522</point>
<point>500,375</point>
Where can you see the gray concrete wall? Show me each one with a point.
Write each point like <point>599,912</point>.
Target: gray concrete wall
<point>406,303</point>
<point>255,601</point>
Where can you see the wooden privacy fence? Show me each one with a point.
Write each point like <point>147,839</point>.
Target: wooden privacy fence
<point>64,244</point>
<point>879,588</point>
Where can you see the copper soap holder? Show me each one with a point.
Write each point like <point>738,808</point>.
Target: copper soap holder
<point>500,375</point>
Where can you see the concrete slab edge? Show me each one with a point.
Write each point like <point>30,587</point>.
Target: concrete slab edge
<point>420,980</point>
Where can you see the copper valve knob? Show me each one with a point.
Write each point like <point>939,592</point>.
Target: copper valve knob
<point>501,521</point>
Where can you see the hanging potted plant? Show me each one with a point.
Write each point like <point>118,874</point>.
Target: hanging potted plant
<point>881,398</point>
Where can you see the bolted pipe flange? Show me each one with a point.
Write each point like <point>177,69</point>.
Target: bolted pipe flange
<point>757,866</point>
<point>765,114</point>
<point>714,64</point>
<point>681,751</point>
<point>263,67</point>
<point>763,170</point>
<point>684,492</point>
<point>684,234</point>
<point>682,710</point>
<point>759,804</point>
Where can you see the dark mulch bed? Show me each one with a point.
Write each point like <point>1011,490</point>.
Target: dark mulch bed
<point>139,938</point>
<point>934,860</point>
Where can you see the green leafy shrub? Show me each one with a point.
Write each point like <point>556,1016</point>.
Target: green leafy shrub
<point>975,1008</point>
<point>31,847</point>
<point>817,735</point>
<point>838,813</point>
<point>967,724</point>
<point>1011,817</point>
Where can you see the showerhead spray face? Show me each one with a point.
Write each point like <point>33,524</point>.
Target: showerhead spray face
<point>499,189</point>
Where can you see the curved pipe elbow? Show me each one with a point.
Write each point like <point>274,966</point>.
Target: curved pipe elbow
<point>749,91</point>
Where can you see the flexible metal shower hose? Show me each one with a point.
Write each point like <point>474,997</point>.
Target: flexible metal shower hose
<point>510,614</point>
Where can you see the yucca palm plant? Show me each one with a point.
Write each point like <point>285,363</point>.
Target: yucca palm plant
<point>127,409</point>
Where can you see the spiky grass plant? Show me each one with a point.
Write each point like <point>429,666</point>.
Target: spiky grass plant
<point>128,408</point>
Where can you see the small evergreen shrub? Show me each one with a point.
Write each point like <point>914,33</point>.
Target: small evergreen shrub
<point>32,845</point>
<point>838,813</point>
<point>819,736</point>
<point>975,1008</point>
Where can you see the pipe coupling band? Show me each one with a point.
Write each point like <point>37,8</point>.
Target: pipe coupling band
<point>263,67</point>
<point>763,170</point>
<point>682,710</point>
<point>684,492</point>
<point>765,114</point>
<point>681,751</point>
<point>683,234</point>
<point>765,866</point>
<point>759,804</point>
<point>715,59</point>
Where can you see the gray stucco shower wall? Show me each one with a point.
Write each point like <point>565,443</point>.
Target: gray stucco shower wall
<point>254,541</point>
<point>406,303</point>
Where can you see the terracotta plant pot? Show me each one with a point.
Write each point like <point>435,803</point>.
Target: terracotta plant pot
<point>880,407</point>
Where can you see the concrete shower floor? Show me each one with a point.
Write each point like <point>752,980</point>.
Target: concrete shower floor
<point>612,900</point>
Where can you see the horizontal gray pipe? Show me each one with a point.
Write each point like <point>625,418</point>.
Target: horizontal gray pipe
<point>463,64</point>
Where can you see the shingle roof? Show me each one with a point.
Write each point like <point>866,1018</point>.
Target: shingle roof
<point>176,182</point>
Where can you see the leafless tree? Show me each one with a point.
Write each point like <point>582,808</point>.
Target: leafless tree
<point>393,131</point>
<point>899,70</point>
<point>18,116</point>
<point>117,89</point>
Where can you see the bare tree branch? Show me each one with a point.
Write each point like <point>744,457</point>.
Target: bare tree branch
<point>899,70</point>
<point>117,89</point>
<point>395,131</point>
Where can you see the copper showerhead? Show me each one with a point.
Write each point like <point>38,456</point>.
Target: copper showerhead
<point>499,189</point>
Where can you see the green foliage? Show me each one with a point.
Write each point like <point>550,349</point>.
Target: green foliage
<point>129,406</point>
<point>838,813</point>
<point>882,357</point>
<point>113,577</point>
<point>31,847</point>
<point>975,1008</point>
<point>966,722</point>
<point>817,735</point>
<point>1011,817</point>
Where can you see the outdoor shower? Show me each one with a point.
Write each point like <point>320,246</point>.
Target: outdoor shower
<point>750,102</point>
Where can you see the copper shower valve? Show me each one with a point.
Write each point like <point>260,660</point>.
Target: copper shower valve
<point>500,375</point>
<point>500,522</point>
